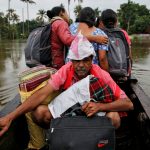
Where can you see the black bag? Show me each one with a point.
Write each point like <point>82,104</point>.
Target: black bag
<point>118,53</point>
<point>38,47</point>
<point>81,133</point>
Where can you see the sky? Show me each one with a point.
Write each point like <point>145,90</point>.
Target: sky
<point>20,7</point>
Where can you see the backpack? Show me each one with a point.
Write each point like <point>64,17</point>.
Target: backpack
<point>118,53</point>
<point>38,47</point>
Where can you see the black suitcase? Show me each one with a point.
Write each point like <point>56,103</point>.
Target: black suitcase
<point>81,133</point>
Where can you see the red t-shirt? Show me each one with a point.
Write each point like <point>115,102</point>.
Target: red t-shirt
<point>60,37</point>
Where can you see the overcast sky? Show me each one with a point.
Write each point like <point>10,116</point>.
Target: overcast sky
<point>48,4</point>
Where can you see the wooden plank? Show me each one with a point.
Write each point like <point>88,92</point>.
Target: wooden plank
<point>143,98</point>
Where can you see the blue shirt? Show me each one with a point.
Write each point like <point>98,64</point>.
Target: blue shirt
<point>97,46</point>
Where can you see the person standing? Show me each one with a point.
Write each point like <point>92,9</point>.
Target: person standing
<point>119,54</point>
<point>85,24</point>
<point>61,36</point>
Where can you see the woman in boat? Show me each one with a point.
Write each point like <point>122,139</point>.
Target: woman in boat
<point>61,36</point>
<point>85,24</point>
<point>108,20</point>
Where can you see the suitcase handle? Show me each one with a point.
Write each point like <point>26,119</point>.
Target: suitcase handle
<point>75,110</point>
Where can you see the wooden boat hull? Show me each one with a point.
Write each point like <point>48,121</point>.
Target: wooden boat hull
<point>17,137</point>
<point>134,133</point>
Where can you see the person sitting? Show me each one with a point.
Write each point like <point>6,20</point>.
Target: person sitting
<point>81,54</point>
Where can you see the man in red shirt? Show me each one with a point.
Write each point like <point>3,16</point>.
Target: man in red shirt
<point>81,53</point>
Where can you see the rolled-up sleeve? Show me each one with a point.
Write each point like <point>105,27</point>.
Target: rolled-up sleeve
<point>58,79</point>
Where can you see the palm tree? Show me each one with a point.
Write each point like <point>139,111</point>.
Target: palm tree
<point>10,14</point>
<point>97,12</point>
<point>15,18</point>
<point>77,10</point>
<point>12,17</point>
<point>28,2</point>
<point>41,15</point>
<point>79,1</point>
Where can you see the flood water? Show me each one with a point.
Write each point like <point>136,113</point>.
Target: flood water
<point>12,62</point>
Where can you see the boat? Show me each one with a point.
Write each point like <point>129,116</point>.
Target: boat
<point>134,133</point>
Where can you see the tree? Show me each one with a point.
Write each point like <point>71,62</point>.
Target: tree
<point>12,18</point>
<point>41,16</point>
<point>142,23</point>
<point>97,12</point>
<point>77,10</point>
<point>129,14</point>
<point>79,2</point>
<point>28,2</point>
<point>10,14</point>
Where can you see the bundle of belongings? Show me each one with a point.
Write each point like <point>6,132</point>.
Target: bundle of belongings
<point>85,90</point>
<point>31,80</point>
<point>70,122</point>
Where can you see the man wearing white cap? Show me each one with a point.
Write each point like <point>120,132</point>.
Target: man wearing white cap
<point>81,53</point>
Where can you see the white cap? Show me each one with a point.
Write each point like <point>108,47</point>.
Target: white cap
<point>80,48</point>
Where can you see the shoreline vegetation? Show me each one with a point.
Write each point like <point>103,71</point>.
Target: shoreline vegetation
<point>140,38</point>
<point>132,17</point>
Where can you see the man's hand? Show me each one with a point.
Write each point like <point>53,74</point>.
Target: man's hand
<point>5,122</point>
<point>90,108</point>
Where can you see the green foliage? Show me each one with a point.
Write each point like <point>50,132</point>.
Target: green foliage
<point>134,17</point>
<point>77,10</point>
<point>97,12</point>
<point>141,24</point>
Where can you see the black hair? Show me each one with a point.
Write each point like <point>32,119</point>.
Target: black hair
<point>87,15</point>
<point>55,11</point>
<point>109,18</point>
<point>98,20</point>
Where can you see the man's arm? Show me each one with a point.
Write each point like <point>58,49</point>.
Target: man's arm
<point>31,103</point>
<point>90,108</point>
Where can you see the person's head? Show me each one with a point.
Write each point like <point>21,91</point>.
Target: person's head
<point>87,15</point>
<point>99,23</point>
<point>81,53</point>
<point>58,11</point>
<point>109,18</point>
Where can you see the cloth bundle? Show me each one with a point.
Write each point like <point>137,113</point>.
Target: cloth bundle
<point>31,78</point>
<point>85,90</point>
<point>30,81</point>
